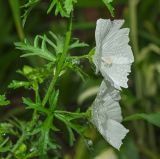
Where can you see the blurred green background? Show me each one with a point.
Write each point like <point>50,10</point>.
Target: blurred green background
<point>143,95</point>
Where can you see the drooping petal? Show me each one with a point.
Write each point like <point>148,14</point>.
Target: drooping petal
<point>106,114</point>
<point>114,132</point>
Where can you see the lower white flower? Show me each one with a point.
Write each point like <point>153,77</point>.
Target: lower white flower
<point>106,115</point>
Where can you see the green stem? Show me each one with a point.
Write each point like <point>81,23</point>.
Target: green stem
<point>34,119</point>
<point>15,7</point>
<point>61,62</point>
<point>138,81</point>
<point>134,40</point>
<point>81,57</point>
<point>35,115</point>
<point>81,115</point>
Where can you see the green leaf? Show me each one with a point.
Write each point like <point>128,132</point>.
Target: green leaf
<point>27,70</point>
<point>58,8</point>
<point>34,51</point>
<point>71,135</point>
<point>77,44</point>
<point>68,126</point>
<point>5,128</point>
<point>67,118</point>
<point>21,151</point>
<point>5,145</point>
<point>3,100</point>
<point>28,8</point>
<point>71,115</point>
<point>45,142</point>
<point>109,6</point>
<point>59,42</point>
<point>34,75</point>
<point>46,47</point>
<point>37,106</point>
<point>64,8</point>
<point>53,100</point>
<point>68,5</point>
<point>152,118</point>
<point>17,84</point>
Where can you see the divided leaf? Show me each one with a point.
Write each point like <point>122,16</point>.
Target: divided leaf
<point>36,106</point>
<point>28,8</point>
<point>76,44</point>
<point>64,8</point>
<point>67,118</point>
<point>45,142</point>
<point>36,49</point>
<point>18,84</point>
<point>34,77</point>
<point>68,5</point>
<point>58,8</point>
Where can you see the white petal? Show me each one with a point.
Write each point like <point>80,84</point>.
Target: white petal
<point>106,114</point>
<point>102,28</point>
<point>112,59</point>
<point>114,133</point>
<point>106,89</point>
<point>118,74</point>
<point>117,45</point>
<point>113,53</point>
<point>106,105</point>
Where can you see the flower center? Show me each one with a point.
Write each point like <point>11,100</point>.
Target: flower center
<point>107,60</point>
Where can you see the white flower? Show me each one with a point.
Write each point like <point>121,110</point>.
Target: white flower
<point>106,115</point>
<point>113,55</point>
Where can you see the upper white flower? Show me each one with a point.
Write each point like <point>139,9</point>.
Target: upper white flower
<point>113,56</point>
<point>106,115</point>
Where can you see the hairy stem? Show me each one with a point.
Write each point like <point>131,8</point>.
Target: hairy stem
<point>60,63</point>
